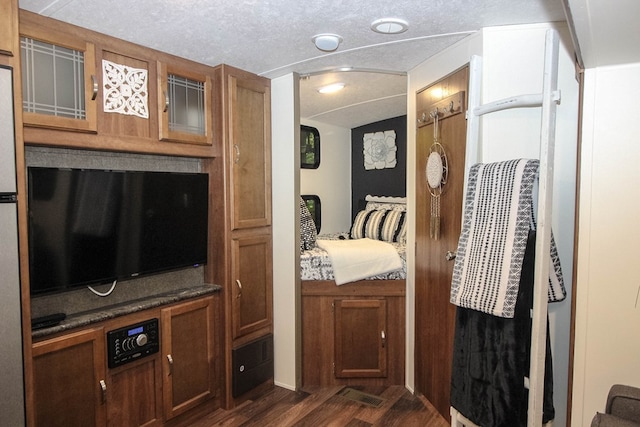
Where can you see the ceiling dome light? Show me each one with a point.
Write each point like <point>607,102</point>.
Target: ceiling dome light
<point>327,42</point>
<point>331,88</point>
<point>390,26</point>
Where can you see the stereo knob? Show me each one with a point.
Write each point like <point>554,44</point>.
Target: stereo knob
<point>141,340</point>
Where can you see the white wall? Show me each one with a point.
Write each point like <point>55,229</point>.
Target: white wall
<point>512,65</point>
<point>285,136</point>
<point>332,180</point>
<point>607,349</point>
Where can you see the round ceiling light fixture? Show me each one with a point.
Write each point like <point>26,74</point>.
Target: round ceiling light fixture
<point>327,42</point>
<point>390,26</point>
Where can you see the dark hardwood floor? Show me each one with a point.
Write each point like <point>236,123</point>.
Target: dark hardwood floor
<point>324,407</point>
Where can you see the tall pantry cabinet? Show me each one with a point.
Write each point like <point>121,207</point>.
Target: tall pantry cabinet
<point>241,234</point>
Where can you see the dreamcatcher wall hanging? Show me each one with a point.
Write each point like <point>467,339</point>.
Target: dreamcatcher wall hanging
<point>437,171</point>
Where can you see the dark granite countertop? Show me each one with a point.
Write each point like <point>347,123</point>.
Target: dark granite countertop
<point>88,317</point>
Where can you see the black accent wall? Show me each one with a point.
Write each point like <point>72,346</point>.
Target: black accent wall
<point>378,182</point>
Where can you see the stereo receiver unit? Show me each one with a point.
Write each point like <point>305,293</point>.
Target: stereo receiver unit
<point>130,343</point>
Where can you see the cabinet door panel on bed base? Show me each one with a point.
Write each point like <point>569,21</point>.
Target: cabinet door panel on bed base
<point>331,315</point>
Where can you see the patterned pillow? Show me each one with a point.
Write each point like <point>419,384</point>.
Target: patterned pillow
<point>308,233</point>
<point>380,206</point>
<point>385,225</point>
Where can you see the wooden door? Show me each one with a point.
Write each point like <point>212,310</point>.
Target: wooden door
<point>69,379</point>
<point>60,98</point>
<point>140,118</point>
<point>184,105</point>
<point>360,338</point>
<point>252,295</point>
<point>250,150</point>
<point>435,316</point>
<point>134,394</point>
<point>187,348</point>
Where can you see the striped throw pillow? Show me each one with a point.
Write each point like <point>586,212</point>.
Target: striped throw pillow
<point>385,225</point>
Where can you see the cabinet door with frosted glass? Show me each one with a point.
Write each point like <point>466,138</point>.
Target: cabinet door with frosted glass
<point>184,105</point>
<point>59,82</point>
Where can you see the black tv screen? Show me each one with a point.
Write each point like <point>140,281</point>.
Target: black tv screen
<point>96,226</point>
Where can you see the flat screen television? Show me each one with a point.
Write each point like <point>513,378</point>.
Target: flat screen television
<point>96,226</point>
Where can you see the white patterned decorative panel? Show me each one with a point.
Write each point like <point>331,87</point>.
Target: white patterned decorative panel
<point>125,89</point>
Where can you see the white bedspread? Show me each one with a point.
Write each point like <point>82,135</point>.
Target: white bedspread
<point>360,258</point>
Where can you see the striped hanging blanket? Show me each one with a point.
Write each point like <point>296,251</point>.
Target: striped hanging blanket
<point>497,218</point>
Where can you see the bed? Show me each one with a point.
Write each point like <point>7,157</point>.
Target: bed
<point>382,220</point>
<point>353,333</point>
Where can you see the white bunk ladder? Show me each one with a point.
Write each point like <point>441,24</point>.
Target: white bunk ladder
<point>548,100</point>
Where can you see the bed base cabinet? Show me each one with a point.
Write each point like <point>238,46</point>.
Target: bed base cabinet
<point>353,334</point>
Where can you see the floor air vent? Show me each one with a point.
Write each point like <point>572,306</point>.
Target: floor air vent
<point>359,396</point>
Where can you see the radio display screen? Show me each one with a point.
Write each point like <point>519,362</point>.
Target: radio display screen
<point>135,331</point>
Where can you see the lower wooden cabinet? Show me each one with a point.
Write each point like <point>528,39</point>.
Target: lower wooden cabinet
<point>134,394</point>
<point>70,380</point>
<point>73,387</point>
<point>187,348</point>
<point>353,334</point>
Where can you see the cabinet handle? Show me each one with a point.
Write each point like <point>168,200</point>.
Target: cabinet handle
<point>384,338</point>
<point>103,386</point>
<point>170,360</point>
<point>450,256</point>
<point>235,147</point>
<point>166,101</point>
<point>94,82</point>
<point>239,288</point>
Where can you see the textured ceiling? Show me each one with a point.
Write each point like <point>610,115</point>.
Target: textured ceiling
<point>273,38</point>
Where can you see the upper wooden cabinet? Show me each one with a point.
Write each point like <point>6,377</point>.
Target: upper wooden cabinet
<point>59,81</point>
<point>184,105</point>
<point>249,149</point>
<point>114,95</point>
